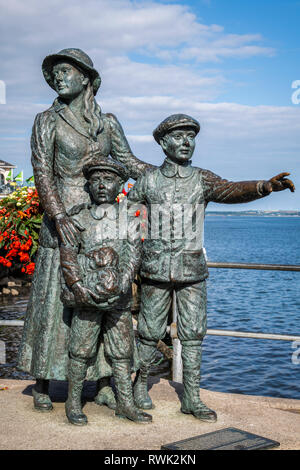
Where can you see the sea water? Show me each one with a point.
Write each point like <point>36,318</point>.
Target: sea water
<point>242,300</point>
<point>254,301</point>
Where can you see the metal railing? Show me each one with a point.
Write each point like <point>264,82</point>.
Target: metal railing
<point>264,267</point>
<point>177,362</point>
<point>172,330</point>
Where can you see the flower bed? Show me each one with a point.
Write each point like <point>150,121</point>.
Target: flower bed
<point>20,222</point>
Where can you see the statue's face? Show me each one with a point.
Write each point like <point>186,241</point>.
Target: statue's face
<point>104,186</point>
<point>69,82</point>
<point>179,144</point>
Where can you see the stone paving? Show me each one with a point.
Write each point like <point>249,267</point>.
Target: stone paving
<point>23,428</point>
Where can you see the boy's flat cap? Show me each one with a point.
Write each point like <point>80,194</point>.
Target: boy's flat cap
<point>106,163</point>
<point>174,121</point>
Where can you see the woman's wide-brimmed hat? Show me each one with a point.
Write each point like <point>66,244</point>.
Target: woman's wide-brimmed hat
<point>76,57</point>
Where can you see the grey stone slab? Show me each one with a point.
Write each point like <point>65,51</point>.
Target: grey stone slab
<point>223,439</point>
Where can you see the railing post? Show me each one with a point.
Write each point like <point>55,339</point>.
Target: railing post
<point>177,348</point>
<point>2,353</point>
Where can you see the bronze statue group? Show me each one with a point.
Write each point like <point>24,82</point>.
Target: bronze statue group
<point>78,323</point>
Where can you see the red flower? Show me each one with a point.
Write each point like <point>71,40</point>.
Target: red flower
<point>26,246</point>
<point>22,214</point>
<point>30,268</point>
<point>12,253</point>
<point>5,262</point>
<point>24,257</point>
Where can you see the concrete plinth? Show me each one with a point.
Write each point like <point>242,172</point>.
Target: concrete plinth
<point>23,428</point>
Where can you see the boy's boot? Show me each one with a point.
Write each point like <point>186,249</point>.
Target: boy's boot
<point>105,394</point>
<point>191,403</point>
<point>126,408</point>
<point>140,389</point>
<point>76,375</point>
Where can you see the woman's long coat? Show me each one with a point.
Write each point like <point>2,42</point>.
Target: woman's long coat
<point>61,146</point>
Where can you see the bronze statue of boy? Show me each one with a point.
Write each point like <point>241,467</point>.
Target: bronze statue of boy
<point>173,261</point>
<point>98,276</point>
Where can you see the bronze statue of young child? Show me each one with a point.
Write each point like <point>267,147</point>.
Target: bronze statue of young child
<point>173,260</point>
<point>97,278</point>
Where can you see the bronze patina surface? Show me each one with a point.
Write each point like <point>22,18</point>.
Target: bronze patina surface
<point>99,273</point>
<point>173,259</point>
<point>67,136</point>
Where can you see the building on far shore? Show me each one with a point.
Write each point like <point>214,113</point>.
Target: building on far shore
<point>5,169</point>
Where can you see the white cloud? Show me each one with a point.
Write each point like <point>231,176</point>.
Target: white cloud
<point>122,77</point>
<point>230,120</point>
<point>148,55</point>
<point>108,30</point>
<point>236,141</point>
<point>216,53</point>
<point>266,137</point>
<point>140,138</point>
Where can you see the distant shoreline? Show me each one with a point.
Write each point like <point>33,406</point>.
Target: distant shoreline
<point>254,213</point>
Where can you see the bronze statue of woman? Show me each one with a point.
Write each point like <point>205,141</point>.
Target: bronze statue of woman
<point>67,136</point>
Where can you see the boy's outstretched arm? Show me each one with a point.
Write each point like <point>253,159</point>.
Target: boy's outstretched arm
<point>221,190</point>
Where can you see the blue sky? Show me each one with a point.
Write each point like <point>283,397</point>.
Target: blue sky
<point>229,63</point>
<point>257,80</point>
<point>278,23</point>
